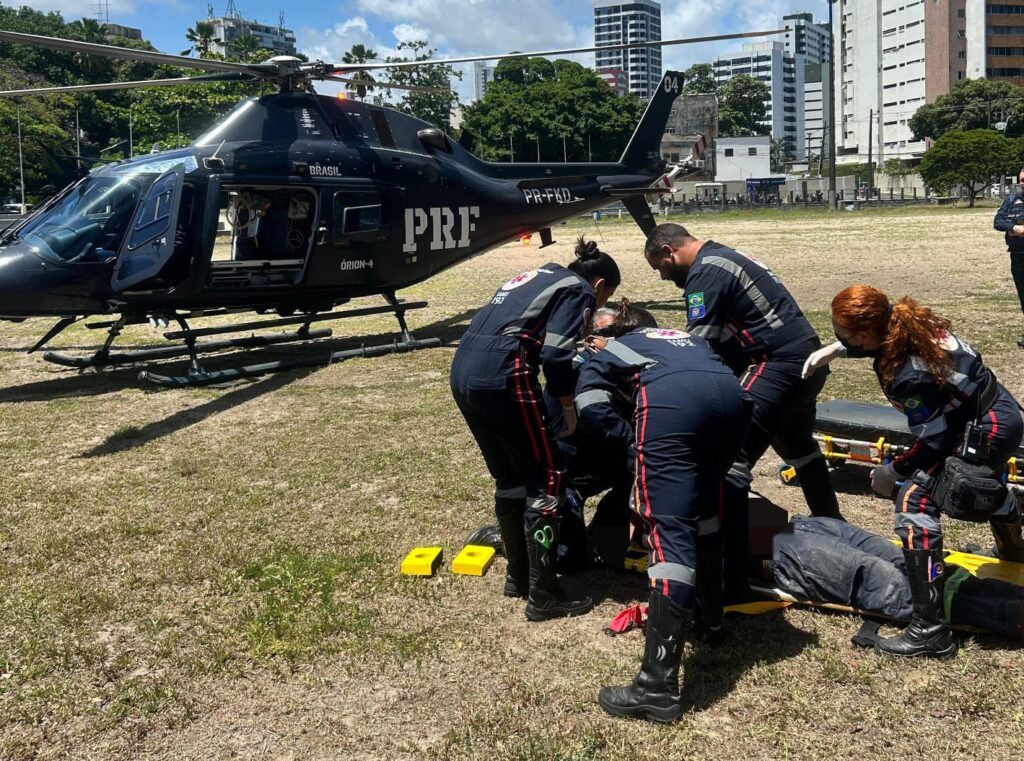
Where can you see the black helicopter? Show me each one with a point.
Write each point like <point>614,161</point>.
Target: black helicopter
<point>325,200</point>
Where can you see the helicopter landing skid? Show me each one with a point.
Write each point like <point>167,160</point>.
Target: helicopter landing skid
<point>198,376</point>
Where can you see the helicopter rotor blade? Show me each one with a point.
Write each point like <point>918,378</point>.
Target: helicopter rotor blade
<point>131,54</point>
<point>385,85</point>
<point>227,77</point>
<point>564,51</point>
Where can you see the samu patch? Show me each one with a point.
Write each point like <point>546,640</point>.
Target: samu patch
<point>695,299</point>
<point>695,312</point>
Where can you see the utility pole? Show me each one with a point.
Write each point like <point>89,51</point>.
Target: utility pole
<point>871,175</point>
<point>177,123</point>
<point>538,147</point>
<point>131,127</point>
<point>511,149</point>
<point>21,163</point>
<point>833,201</point>
<point>78,143</point>
<point>565,153</point>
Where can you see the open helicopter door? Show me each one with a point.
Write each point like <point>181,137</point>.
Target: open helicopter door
<point>149,242</point>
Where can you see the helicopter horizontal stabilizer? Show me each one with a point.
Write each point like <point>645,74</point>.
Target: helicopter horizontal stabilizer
<point>644,150</point>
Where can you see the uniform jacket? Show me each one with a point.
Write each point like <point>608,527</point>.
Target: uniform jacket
<point>632,361</point>
<point>1011,213</point>
<point>532,322</point>
<point>741,308</point>
<point>936,413</point>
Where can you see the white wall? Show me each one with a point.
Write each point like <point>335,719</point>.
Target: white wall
<point>740,165</point>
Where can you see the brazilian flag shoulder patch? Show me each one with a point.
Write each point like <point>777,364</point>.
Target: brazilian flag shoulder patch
<point>695,299</point>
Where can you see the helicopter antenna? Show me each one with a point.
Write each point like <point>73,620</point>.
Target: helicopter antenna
<point>102,11</point>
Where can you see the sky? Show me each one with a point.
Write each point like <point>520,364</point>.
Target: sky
<point>325,30</point>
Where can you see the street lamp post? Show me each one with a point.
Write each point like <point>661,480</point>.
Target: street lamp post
<point>833,201</point>
<point>131,127</point>
<point>21,163</point>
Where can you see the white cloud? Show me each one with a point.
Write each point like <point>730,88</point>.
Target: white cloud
<point>410,33</point>
<point>72,10</point>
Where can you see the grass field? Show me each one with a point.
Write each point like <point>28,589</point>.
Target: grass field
<point>213,573</point>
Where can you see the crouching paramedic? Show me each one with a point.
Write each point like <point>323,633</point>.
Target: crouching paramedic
<point>532,322</point>
<point>954,406</point>
<point>689,417</point>
<point>752,322</point>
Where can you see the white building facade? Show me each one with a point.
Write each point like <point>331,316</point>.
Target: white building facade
<point>742,158</point>
<point>227,29</point>
<point>621,23</point>
<point>783,73</point>
<point>804,37</point>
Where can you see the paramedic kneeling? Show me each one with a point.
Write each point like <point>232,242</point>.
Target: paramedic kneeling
<point>954,406</point>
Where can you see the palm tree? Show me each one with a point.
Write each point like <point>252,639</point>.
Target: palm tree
<point>360,54</point>
<point>201,37</point>
<point>245,46</point>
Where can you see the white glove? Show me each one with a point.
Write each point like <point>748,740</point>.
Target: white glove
<point>569,420</point>
<point>822,357</point>
<point>883,479</point>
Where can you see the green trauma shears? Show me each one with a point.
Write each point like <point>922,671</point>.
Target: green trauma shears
<point>544,536</point>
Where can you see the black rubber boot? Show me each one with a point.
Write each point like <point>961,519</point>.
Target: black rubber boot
<point>1009,543</point>
<point>927,634</point>
<point>654,693</point>
<point>707,618</point>
<point>546,597</point>
<point>817,488</point>
<point>513,537</point>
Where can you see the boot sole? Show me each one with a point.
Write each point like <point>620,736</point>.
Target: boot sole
<point>941,655</point>
<point>650,713</point>
<point>540,614</point>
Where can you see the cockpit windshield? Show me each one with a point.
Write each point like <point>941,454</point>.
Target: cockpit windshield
<point>88,222</point>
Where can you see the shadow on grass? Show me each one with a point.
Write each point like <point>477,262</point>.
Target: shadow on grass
<point>132,437</point>
<point>755,642</point>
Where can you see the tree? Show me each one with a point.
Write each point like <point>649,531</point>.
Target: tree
<point>245,47</point>
<point>781,153</point>
<point>360,54</point>
<point>561,104</point>
<point>741,108</point>
<point>967,158</point>
<point>699,79</point>
<point>202,38</point>
<point>435,108</point>
<point>971,104</point>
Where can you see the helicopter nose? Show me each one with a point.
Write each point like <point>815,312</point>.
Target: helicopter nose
<point>13,292</point>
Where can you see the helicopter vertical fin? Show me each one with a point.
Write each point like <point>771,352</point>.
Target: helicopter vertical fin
<point>640,210</point>
<point>644,150</point>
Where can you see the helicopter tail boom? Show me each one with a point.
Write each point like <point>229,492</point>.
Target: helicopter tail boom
<point>643,154</point>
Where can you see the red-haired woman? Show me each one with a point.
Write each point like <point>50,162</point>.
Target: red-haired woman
<point>940,383</point>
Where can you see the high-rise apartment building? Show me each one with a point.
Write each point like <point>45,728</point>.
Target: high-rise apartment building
<point>783,72</point>
<point>804,37</point>
<point>881,76</point>
<point>994,34</point>
<point>483,75</point>
<point>232,26</point>
<point>620,23</point>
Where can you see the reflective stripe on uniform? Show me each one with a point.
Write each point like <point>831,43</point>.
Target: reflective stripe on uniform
<point>672,572</point>
<point>595,396</point>
<point>539,304</point>
<point>921,520</point>
<point>740,470</point>
<point>708,526</point>
<point>559,342</point>
<point>799,462</point>
<point>753,292</point>
<point>629,356</point>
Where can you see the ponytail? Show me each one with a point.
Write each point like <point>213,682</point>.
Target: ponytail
<point>915,331</point>
<point>629,318</point>
<point>592,263</point>
<point>904,329</point>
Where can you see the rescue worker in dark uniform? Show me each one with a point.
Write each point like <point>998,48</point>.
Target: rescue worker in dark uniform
<point>685,429</point>
<point>940,383</point>
<point>532,322</point>
<point>751,321</point>
<point>1010,220</point>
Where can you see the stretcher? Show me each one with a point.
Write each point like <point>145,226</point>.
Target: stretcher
<point>873,434</point>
